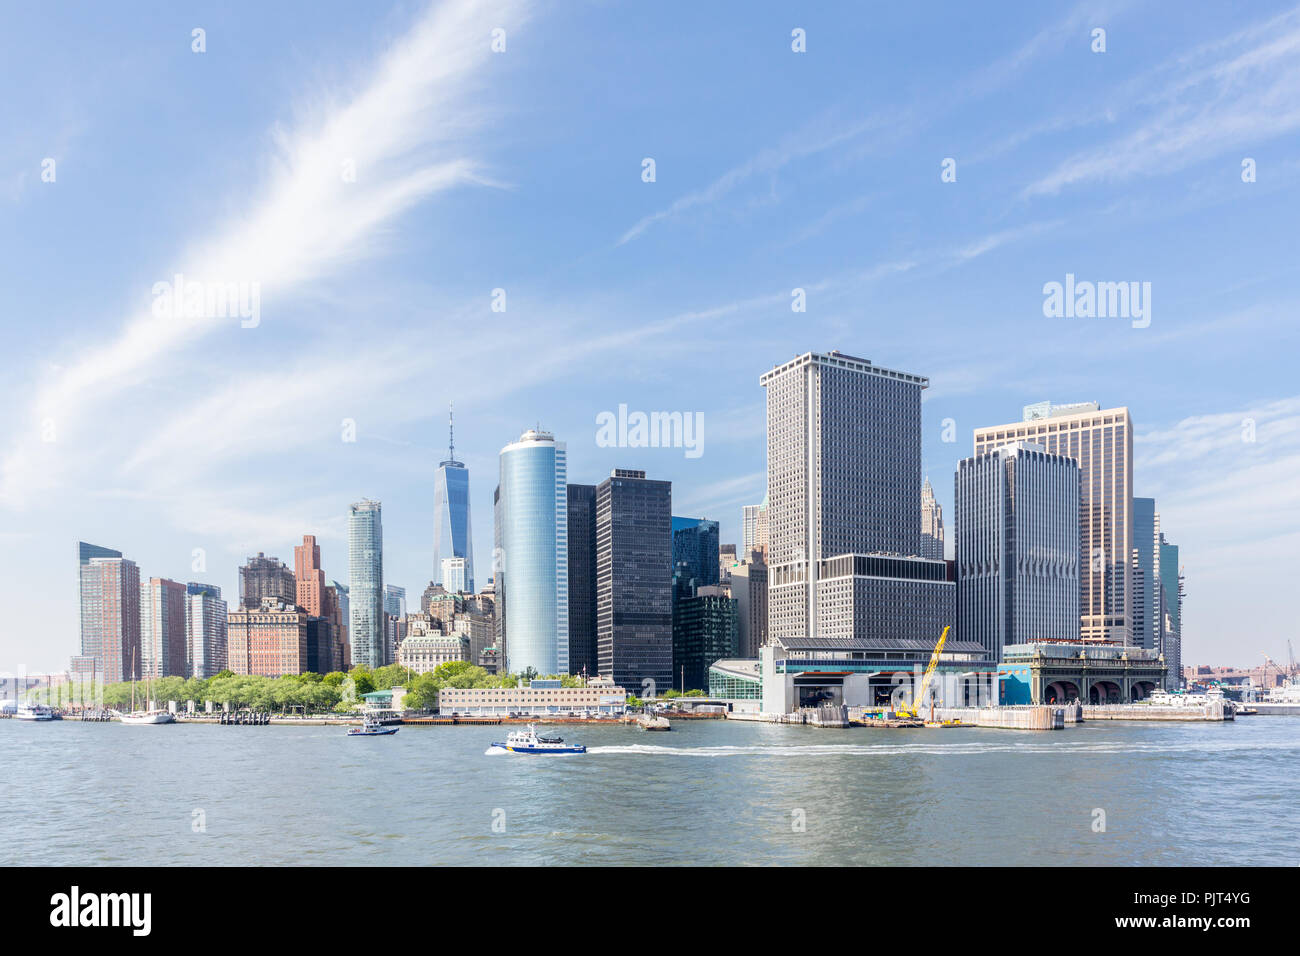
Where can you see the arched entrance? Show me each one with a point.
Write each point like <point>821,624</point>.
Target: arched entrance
<point>1060,692</point>
<point>1142,689</point>
<point>1105,692</point>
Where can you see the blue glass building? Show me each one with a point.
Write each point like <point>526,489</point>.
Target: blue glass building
<point>533,516</point>
<point>452,536</point>
<point>366,584</point>
<point>695,544</point>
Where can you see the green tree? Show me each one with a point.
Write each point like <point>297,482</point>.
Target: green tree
<point>363,680</point>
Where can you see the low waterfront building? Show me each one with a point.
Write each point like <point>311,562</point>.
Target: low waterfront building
<point>542,698</point>
<point>879,673</point>
<point>1057,673</point>
<point>735,680</point>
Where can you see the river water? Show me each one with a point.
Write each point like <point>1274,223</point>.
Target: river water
<point>708,792</point>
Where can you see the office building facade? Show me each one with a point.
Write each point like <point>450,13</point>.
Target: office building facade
<point>163,629</point>
<point>1101,442</point>
<point>534,557</point>
<point>110,612</point>
<point>844,500</point>
<point>634,601</point>
<point>206,624</point>
<point>270,640</point>
<point>1017,547</point>
<point>583,657</point>
<point>367,625</point>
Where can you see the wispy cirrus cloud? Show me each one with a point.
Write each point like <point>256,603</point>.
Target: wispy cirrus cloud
<point>405,132</point>
<point>1247,93</point>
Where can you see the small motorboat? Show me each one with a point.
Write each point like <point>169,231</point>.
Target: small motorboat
<point>372,728</point>
<point>530,742</point>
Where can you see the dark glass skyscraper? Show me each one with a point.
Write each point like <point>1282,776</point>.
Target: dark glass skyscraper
<point>634,601</point>
<point>451,524</point>
<point>582,580</point>
<point>695,544</point>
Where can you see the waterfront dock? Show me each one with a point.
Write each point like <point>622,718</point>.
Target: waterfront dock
<point>1215,710</point>
<point>1028,717</point>
<point>650,722</point>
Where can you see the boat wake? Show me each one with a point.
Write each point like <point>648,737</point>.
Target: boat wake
<point>954,750</point>
<point>493,751</point>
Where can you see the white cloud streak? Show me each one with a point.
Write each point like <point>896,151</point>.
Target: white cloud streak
<point>403,130</point>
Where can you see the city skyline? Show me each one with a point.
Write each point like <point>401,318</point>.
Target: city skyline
<point>191,446</point>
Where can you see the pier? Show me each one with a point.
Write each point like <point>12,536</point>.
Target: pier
<point>1214,710</point>
<point>1025,717</point>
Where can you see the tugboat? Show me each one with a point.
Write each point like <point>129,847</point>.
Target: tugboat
<point>372,728</point>
<point>529,742</point>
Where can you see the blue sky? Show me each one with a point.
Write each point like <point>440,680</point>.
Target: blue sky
<point>522,170</point>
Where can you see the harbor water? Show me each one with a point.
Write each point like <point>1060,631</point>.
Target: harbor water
<point>709,792</point>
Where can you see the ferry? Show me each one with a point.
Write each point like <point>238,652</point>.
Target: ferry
<point>529,742</point>
<point>372,728</point>
<point>1288,693</point>
<point>33,712</point>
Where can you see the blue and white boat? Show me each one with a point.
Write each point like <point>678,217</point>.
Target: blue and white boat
<point>529,742</point>
<point>372,728</point>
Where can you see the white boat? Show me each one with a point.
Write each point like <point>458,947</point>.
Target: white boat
<point>529,742</point>
<point>1288,693</point>
<point>145,716</point>
<point>1161,698</point>
<point>33,712</point>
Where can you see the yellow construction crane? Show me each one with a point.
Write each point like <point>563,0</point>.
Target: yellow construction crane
<point>925,679</point>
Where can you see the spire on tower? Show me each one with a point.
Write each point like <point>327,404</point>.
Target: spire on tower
<point>451,431</point>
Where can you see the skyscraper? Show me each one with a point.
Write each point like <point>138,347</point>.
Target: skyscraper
<point>1146,559</point>
<point>366,584</point>
<point>264,577</point>
<point>1017,547</point>
<point>454,575</point>
<point>110,612</point>
<point>451,524</point>
<point>844,521</point>
<point>1170,576</point>
<point>1101,441</point>
<point>343,625</point>
<point>634,601</point>
<point>704,630</point>
<point>162,629</point>
<point>749,588</point>
<point>583,657</point>
<point>311,595</point>
<point>206,625</point>
<point>325,624</point>
<point>534,555</point>
<point>931,524</point>
<point>753,528</point>
<point>695,544</point>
